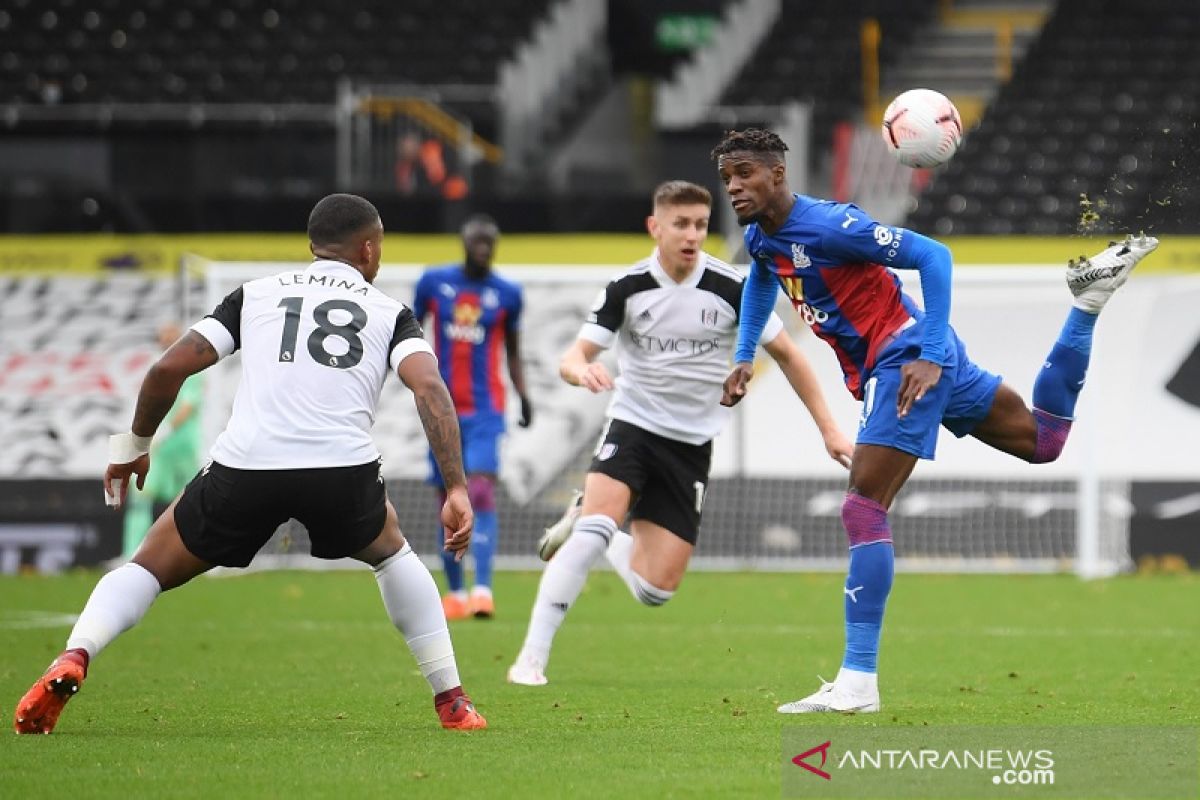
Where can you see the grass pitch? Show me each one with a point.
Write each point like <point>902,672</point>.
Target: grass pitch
<point>296,685</point>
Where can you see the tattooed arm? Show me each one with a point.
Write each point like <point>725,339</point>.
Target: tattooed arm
<point>191,354</point>
<point>420,374</point>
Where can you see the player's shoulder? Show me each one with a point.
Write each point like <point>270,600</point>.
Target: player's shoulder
<point>717,267</point>
<point>635,278</point>
<point>818,211</point>
<point>721,279</point>
<point>503,283</point>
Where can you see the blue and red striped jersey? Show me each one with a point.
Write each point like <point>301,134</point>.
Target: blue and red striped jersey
<point>471,320</point>
<point>831,260</point>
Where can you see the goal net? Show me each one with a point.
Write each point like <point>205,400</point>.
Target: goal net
<point>774,501</point>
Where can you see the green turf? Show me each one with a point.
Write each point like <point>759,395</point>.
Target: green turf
<point>294,684</point>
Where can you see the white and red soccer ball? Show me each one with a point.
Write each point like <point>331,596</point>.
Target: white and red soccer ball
<point>922,128</point>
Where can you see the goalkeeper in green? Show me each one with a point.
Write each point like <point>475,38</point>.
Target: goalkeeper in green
<point>176,455</point>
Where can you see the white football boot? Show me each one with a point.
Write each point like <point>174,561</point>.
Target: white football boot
<point>527,671</point>
<point>1093,280</point>
<point>835,697</point>
<point>560,531</point>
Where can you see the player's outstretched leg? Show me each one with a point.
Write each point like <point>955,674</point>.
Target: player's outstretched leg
<point>411,598</point>
<point>1055,391</point>
<point>560,586</point>
<point>120,599</point>
<point>556,534</point>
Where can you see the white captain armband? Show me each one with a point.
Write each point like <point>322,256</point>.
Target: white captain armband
<point>217,335</point>
<point>406,347</point>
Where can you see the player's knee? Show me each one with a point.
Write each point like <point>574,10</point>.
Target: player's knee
<point>865,520</point>
<point>648,594</point>
<point>1052,434</point>
<point>482,493</point>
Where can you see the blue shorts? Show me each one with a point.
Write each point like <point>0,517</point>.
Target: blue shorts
<point>959,400</point>
<point>480,445</point>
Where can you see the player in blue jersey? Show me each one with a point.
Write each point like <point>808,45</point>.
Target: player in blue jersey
<point>476,317</point>
<point>906,365</point>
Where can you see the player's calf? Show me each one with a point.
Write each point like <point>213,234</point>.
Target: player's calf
<point>647,593</point>
<point>1052,434</point>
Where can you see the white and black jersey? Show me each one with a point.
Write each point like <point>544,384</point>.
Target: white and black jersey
<point>316,347</point>
<point>676,344</point>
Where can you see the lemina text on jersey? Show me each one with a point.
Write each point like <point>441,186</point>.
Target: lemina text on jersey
<point>301,278</point>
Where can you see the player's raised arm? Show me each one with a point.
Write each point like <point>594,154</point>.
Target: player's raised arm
<point>419,372</point>
<point>799,373</point>
<point>129,452</point>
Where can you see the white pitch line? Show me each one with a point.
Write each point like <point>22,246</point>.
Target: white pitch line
<point>28,620</point>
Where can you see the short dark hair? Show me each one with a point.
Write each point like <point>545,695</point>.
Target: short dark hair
<point>337,217</point>
<point>479,219</point>
<point>678,193</point>
<point>753,140</point>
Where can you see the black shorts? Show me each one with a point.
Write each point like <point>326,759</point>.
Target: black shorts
<point>668,478</point>
<point>226,515</point>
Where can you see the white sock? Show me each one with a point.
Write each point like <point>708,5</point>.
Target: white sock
<point>562,582</point>
<point>619,551</point>
<point>415,608</point>
<point>121,598</point>
<point>618,554</point>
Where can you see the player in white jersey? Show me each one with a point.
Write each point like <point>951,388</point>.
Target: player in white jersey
<point>316,347</point>
<point>675,316</point>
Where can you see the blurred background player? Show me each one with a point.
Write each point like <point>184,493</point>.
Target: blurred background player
<point>476,314</point>
<point>906,365</point>
<point>675,316</point>
<point>176,451</point>
<point>310,340</point>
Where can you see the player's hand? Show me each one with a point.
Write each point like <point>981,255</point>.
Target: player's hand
<point>595,378</point>
<point>916,378</point>
<point>116,479</point>
<point>526,412</point>
<point>735,385</point>
<point>458,520</point>
<point>839,448</point>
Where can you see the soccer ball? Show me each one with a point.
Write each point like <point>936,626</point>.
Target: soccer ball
<point>922,128</point>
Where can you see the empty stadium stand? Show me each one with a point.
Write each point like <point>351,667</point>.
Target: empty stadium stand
<point>1096,132</point>
<point>814,54</point>
<point>63,51</point>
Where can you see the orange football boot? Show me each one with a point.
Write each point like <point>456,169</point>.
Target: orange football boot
<point>482,606</point>
<point>454,607</point>
<point>457,712</point>
<point>38,710</point>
